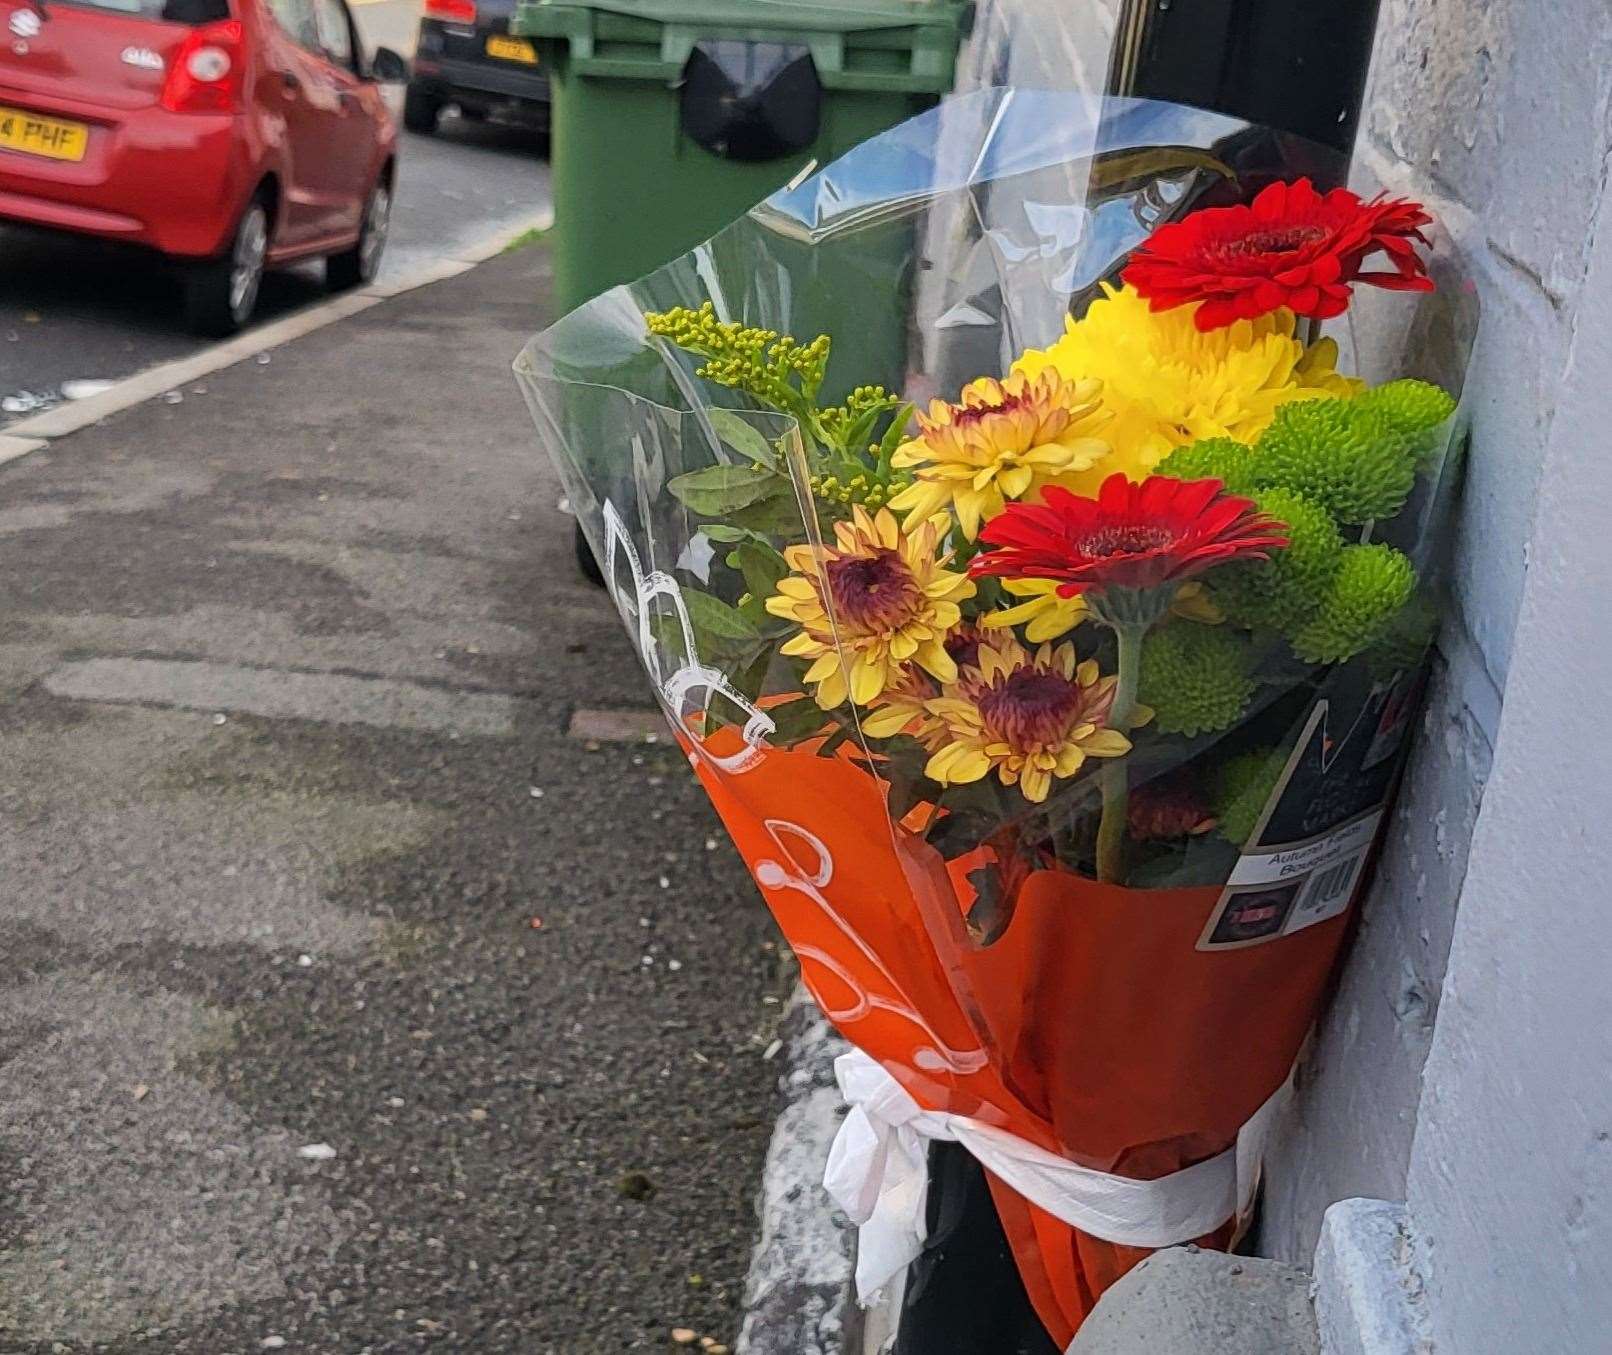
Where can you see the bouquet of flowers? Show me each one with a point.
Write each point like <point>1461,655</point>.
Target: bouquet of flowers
<point>1055,714</point>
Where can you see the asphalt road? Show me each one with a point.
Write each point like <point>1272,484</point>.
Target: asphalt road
<point>351,1001</point>
<point>74,309</point>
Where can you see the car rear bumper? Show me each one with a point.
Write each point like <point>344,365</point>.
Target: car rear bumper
<point>172,181</point>
<point>483,81</point>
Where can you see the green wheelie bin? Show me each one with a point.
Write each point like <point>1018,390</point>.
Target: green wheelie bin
<point>673,117</point>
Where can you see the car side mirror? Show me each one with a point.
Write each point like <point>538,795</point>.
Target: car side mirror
<point>387,67</point>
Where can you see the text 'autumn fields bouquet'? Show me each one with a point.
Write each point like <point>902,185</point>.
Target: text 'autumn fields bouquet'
<point>1043,600</point>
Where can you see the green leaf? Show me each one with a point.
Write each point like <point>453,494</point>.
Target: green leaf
<point>754,610</point>
<point>745,439</point>
<point>749,676</point>
<point>721,531</point>
<point>718,491</point>
<point>762,567</point>
<point>714,617</point>
<point>776,515</point>
<point>797,720</point>
<point>894,435</point>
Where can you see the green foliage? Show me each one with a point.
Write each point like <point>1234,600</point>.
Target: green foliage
<point>744,437</point>
<point>715,491</point>
<point>762,567</point>
<point>1214,458</point>
<point>1242,786</point>
<point>1340,454</point>
<point>710,616</point>
<point>1196,678</point>
<point>1280,593</point>
<point>782,373</point>
<point>775,368</point>
<point>1372,584</point>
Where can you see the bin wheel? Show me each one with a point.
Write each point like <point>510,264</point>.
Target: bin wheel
<point>421,111</point>
<point>585,561</point>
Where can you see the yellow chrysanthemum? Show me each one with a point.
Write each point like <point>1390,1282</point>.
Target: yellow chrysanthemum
<point>999,442</point>
<point>1046,616</point>
<point>892,602</point>
<point>903,707</point>
<point>1165,383</point>
<point>1030,718</point>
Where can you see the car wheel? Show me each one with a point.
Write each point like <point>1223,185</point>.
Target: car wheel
<point>358,266</point>
<point>421,110</point>
<point>221,294</point>
<point>585,559</point>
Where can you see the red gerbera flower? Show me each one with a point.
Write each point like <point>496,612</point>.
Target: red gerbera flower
<point>1290,247</point>
<point>1132,535</point>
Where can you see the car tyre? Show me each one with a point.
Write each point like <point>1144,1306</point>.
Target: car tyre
<point>357,267</point>
<point>585,559</point>
<point>221,294</point>
<point>421,110</point>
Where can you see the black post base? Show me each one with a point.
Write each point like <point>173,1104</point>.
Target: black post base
<point>964,1295</point>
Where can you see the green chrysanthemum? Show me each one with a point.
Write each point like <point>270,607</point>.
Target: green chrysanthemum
<point>1339,454</point>
<point>1417,411</point>
<point>1405,640</point>
<point>1196,678</point>
<point>1214,458</point>
<point>1241,788</point>
<point>1372,584</point>
<point>1281,592</point>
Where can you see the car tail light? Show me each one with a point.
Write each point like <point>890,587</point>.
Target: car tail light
<point>451,11</point>
<point>208,70</point>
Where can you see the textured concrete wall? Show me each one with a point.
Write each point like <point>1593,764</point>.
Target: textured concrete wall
<point>1510,1183</point>
<point>1496,113</point>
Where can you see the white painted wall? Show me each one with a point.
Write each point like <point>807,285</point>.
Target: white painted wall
<point>1510,1186</point>
<point>1482,1091</point>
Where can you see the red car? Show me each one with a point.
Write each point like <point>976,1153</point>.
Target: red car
<point>231,135</point>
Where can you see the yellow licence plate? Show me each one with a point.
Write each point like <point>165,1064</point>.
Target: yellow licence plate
<point>512,49</point>
<point>50,137</point>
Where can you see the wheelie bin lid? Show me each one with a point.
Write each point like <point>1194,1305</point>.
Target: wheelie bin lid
<point>897,44</point>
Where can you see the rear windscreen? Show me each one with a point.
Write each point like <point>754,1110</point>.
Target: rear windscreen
<point>173,11</point>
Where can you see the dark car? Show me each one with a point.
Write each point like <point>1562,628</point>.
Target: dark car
<point>467,56</point>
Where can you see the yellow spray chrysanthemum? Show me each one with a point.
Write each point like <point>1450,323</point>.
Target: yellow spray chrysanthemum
<point>903,707</point>
<point>1000,441</point>
<point>1030,718</point>
<point>1046,616</point>
<point>1165,383</point>
<point>892,601</point>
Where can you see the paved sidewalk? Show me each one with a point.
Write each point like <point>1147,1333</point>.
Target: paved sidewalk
<point>286,789</point>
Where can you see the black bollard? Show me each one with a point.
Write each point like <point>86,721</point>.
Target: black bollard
<point>1295,65</point>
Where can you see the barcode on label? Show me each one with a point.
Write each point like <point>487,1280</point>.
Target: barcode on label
<point>1328,893</point>
<point>1331,882</point>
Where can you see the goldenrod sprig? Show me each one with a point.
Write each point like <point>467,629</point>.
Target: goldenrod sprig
<point>851,456</point>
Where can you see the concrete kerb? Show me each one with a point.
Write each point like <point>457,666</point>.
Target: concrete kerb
<point>12,447</point>
<point>798,1298</point>
<point>31,434</point>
